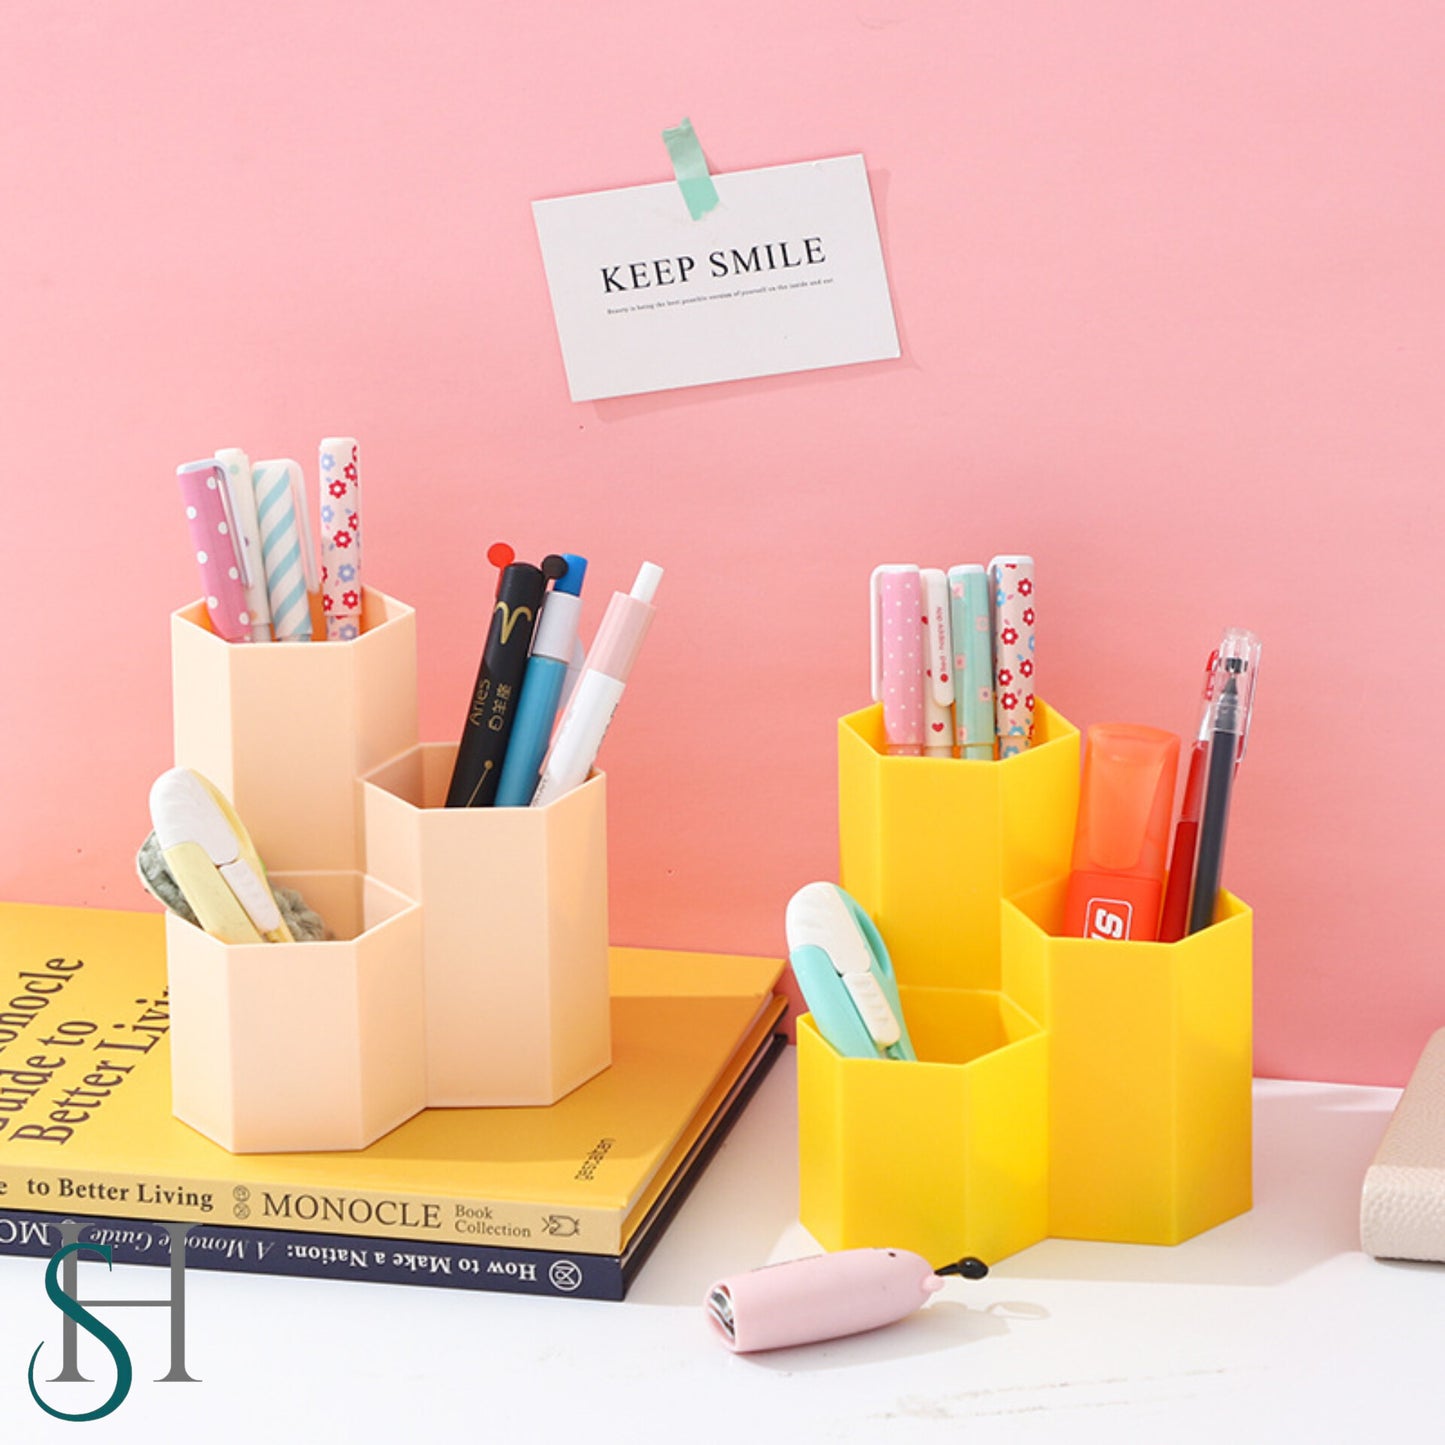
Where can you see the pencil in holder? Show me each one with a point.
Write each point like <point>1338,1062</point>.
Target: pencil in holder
<point>301,1046</point>
<point>945,1156</point>
<point>514,918</point>
<point>928,846</point>
<point>1150,1070</point>
<point>285,729</point>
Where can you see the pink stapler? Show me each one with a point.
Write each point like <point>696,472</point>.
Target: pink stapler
<point>825,1296</point>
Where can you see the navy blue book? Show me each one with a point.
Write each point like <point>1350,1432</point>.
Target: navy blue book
<point>394,1261</point>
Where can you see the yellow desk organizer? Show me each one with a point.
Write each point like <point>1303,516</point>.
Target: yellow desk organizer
<point>1065,1086</point>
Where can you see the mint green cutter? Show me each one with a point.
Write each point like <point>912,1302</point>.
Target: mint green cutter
<point>845,974</point>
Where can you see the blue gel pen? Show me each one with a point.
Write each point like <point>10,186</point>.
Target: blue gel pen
<point>552,648</point>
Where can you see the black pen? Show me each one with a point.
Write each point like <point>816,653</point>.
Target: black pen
<point>492,708</point>
<point>1237,667</point>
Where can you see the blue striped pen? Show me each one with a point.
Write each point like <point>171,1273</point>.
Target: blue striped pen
<point>286,548</point>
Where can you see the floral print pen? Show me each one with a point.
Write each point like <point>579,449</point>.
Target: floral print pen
<point>341,537</point>
<point>1012,579</point>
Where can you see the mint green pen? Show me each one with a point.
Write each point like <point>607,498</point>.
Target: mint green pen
<point>973,712</point>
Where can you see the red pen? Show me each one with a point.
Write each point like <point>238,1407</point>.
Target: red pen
<point>1186,832</point>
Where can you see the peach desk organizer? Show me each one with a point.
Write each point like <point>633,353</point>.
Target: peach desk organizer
<point>472,966</point>
<point>1069,1087</point>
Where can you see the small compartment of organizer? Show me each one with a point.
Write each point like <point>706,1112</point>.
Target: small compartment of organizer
<point>946,1156</point>
<point>514,925</point>
<point>1150,1070</point>
<point>928,846</point>
<point>301,1046</point>
<point>285,730</point>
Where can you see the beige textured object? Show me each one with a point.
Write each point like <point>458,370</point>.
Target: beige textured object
<point>1402,1212</point>
<point>514,917</point>
<point>312,1046</point>
<point>285,729</point>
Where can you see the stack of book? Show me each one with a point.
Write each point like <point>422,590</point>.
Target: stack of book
<point>567,1199</point>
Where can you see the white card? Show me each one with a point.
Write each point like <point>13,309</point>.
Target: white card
<point>784,274</point>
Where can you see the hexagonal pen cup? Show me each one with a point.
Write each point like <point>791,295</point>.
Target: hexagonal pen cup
<point>947,1156</point>
<point>928,846</point>
<point>1150,1070</point>
<point>514,919</point>
<point>301,1046</point>
<point>285,729</point>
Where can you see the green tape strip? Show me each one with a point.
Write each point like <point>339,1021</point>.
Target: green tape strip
<point>690,166</point>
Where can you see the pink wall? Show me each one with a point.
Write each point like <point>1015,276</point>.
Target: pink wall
<point>1168,281</point>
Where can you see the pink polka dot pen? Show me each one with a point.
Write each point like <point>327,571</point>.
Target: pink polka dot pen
<point>897,655</point>
<point>217,547</point>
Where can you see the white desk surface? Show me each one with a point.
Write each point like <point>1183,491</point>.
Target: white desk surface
<point>1273,1327</point>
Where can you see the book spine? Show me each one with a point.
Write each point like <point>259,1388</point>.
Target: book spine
<point>308,1208</point>
<point>327,1256</point>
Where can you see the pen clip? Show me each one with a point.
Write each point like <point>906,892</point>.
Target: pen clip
<point>309,569</point>
<point>1206,712</point>
<point>233,533</point>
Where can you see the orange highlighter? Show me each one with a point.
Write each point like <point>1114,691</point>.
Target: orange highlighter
<point>1122,838</point>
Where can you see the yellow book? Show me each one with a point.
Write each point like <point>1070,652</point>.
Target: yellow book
<point>86,1128</point>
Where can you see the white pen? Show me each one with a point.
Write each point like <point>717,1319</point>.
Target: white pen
<point>237,467</point>
<point>599,690</point>
<point>937,666</point>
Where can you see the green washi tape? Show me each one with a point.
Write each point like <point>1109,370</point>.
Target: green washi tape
<point>690,166</point>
